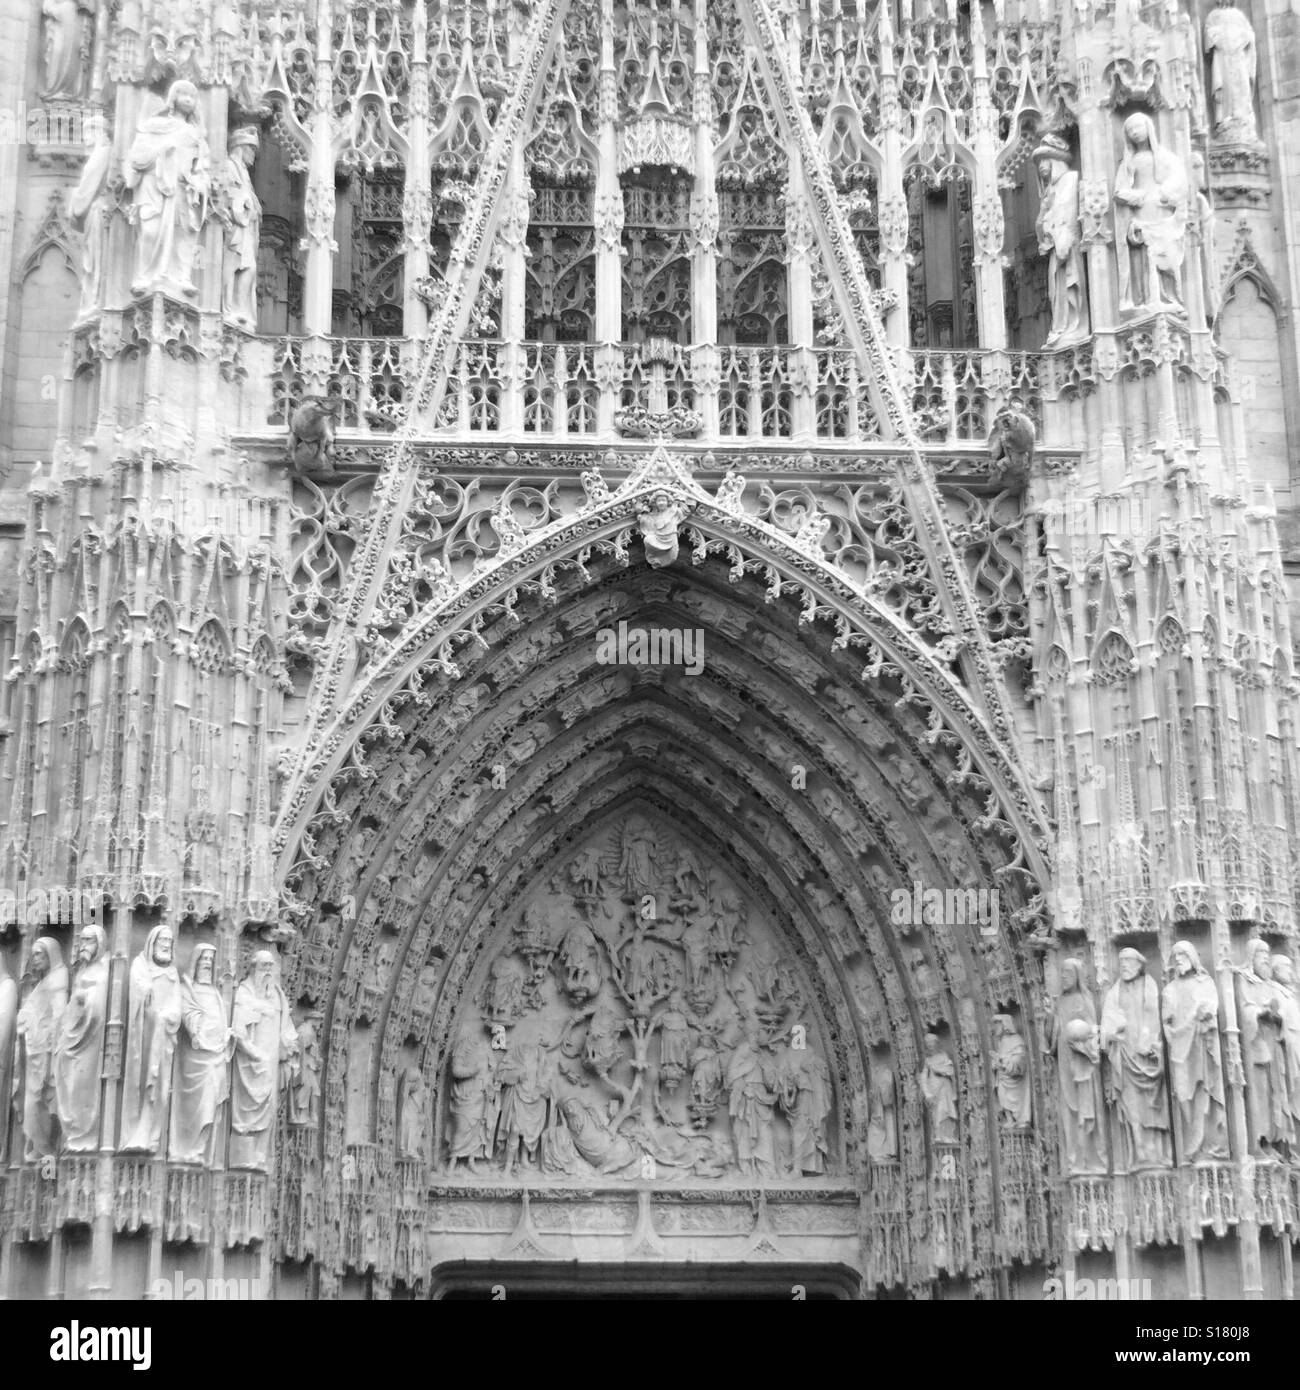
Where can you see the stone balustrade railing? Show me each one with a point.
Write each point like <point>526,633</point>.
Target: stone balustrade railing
<point>597,391</point>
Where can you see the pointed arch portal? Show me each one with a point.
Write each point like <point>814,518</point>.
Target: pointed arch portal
<point>723,958</point>
<point>653,926</point>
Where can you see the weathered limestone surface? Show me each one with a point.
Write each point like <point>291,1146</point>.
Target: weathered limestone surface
<point>649,635</point>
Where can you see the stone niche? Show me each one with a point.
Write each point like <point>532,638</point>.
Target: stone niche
<point>638,1016</point>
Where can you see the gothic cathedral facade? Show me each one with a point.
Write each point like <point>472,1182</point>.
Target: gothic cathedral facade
<point>649,637</point>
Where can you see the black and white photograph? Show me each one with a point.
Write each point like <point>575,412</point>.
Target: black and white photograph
<point>648,655</point>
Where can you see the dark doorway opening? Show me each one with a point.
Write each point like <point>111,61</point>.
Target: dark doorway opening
<point>517,1282</point>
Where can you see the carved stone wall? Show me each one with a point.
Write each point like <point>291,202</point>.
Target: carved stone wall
<point>914,368</point>
<point>645,1014</point>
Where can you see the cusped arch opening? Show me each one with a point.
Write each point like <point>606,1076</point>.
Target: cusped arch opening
<point>834,798</point>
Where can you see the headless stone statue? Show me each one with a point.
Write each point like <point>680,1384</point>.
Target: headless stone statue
<point>39,1022</point>
<point>1230,42</point>
<point>882,1128</point>
<point>63,66</point>
<point>1076,1039</point>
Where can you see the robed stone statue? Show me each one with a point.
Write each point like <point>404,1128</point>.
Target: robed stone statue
<point>153,1024</point>
<point>1077,1041</point>
<point>202,1055</point>
<point>1263,1046</point>
<point>168,168</point>
<point>79,1052</point>
<point>37,1030</point>
<point>266,1043</point>
<point>1190,1009</point>
<point>1131,1036</point>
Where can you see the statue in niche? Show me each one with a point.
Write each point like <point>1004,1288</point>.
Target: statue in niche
<point>527,1075</point>
<point>426,988</point>
<point>525,743</point>
<point>1230,42</point>
<point>202,1051</point>
<point>834,919</point>
<point>1134,1046</point>
<point>380,965</point>
<point>637,864</point>
<point>410,1122</point>
<point>266,1049</point>
<point>79,1052</point>
<point>647,971</point>
<point>67,36</point>
<point>8,1023</point>
<point>659,523</point>
<point>504,996</point>
<point>168,169</point>
<point>241,214</point>
<point>752,1095</point>
<point>533,942</point>
<point>356,859</point>
<point>90,212</point>
<point>934,156</point>
<point>579,961</point>
<point>473,1095</point>
<point>153,1026</point>
<point>1152,192</point>
<point>882,1127</point>
<point>1203,220</point>
<point>1077,1040</point>
<point>728,920</point>
<point>806,1099</point>
<point>688,878</point>
<point>706,1079</point>
<point>584,872</point>
<point>923,976</point>
<point>675,1036</point>
<point>1060,240</point>
<point>1190,1009</point>
<point>1263,1045</point>
<point>775,991</point>
<point>939,1090</point>
<point>1284,977</point>
<point>702,981</point>
<point>37,1030</point>
<point>304,1092</point>
<point>909,781</point>
<point>1011,1073</point>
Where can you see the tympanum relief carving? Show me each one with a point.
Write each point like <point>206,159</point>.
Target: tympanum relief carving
<point>639,1018</point>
